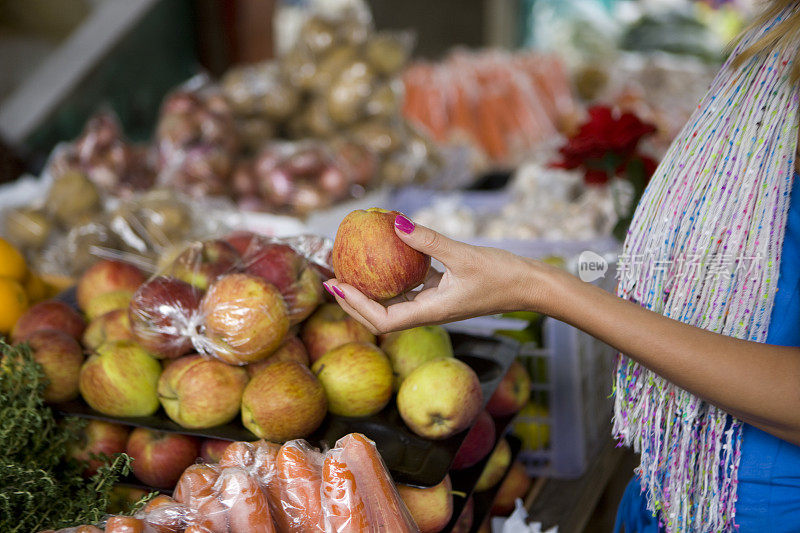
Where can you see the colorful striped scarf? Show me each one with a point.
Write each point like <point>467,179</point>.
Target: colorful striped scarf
<point>704,248</point>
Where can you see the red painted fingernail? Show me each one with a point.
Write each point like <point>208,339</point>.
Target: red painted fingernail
<point>338,291</point>
<point>327,288</point>
<point>403,224</point>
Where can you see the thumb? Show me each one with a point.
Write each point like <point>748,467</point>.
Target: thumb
<point>424,239</point>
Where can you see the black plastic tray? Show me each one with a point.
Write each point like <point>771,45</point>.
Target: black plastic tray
<point>411,459</point>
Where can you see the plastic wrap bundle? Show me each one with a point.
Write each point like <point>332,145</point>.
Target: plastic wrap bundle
<point>234,299</point>
<point>340,82</point>
<point>196,140</point>
<point>503,104</point>
<point>262,487</point>
<point>303,176</point>
<point>101,153</point>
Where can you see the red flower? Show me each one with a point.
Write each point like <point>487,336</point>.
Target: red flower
<point>605,144</point>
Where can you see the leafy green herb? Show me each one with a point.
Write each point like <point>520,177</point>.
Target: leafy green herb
<point>40,486</point>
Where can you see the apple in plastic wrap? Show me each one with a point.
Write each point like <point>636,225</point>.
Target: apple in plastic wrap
<point>368,255</point>
<point>290,272</point>
<point>330,327</point>
<point>107,276</point>
<point>284,401</point>
<point>112,326</point>
<point>245,318</point>
<point>198,392</point>
<point>440,398</point>
<point>161,315</point>
<point>50,314</point>
<point>61,358</point>
<point>201,263</point>
<point>357,378</point>
<point>430,507</point>
<point>120,379</point>
<point>99,437</point>
<point>160,458</point>
<point>512,393</point>
<point>292,349</point>
<point>410,348</point>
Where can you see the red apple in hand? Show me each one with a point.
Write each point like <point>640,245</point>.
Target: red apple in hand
<point>48,315</point>
<point>245,318</point>
<point>99,437</point>
<point>330,327</point>
<point>160,458</point>
<point>161,313</point>
<point>368,255</point>
<point>432,507</point>
<point>515,485</point>
<point>512,393</point>
<point>294,277</point>
<point>477,444</point>
<point>107,276</point>
<point>203,262</point>
<point>61,358</point>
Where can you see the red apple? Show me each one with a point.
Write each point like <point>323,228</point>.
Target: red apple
<point>242,241</point>
<point>160,458</point>
<point>357,378</point>
<point>440,398</point>
<point>294,277</point>
<point>211,450</point>
<point>199,392</point>
<point>107,276</point>
<point>431,507</point>
<point>464,522</point>
<point>51,314</point>
<point>495,467</point>
<point>245,318</point>
<point>512,393</point>
<point>282,402</point>
<point>201,263</point>
<point>515,485</point>
<point>99,437</point>
<point>330,327</point>
<point>369,255</point>
<point>61,358</point>
<point>161,314</point>
<point>112,326</point>
<point>477,444</point>
<point>292,349</point>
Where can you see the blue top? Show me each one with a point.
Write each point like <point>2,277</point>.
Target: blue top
<point>768,496</point>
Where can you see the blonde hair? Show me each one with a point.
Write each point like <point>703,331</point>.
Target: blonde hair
<point>782,35</point>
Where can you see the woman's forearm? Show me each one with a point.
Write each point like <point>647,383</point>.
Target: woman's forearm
<point>756,382</point>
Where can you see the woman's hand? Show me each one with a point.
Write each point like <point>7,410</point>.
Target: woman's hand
<point>476,281</point>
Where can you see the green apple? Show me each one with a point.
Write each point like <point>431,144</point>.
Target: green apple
<point>440,398</point>
<point>120,379</point>
<point>409,348</point>
<point>495,467</point>
<point>357,379</point>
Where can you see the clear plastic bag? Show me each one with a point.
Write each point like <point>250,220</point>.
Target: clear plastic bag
<point>234,299</point>
<point>357,491</point>
<point>299,483</point>
<point>196,139</point>
<point>103,154</point>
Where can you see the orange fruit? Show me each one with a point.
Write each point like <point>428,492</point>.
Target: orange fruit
<point>12,264</point>
<point>13,302</point>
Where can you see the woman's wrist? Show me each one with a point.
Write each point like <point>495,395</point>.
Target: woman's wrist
<point>544,287</point>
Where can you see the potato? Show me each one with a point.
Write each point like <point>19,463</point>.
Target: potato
<point>385,100</point>
<point>299,68</point>
<point>318,34</point>
<point>28,228</point>
<point>387,53</point>
<point>380,137</point>
<point>72,199</point>
<point>347,96</point>
<point>330,67</point>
